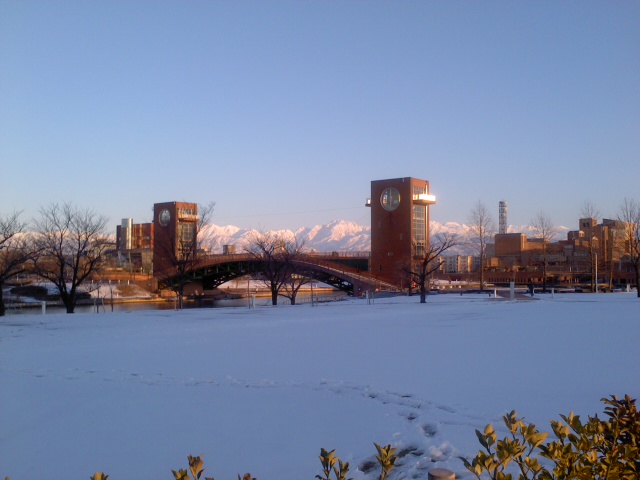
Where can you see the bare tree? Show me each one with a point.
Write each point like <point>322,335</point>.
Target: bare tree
<point>546,232</point>
<point>71,244</point>
<point>276,256</point>
<point>629,214</point>
<point>16,250</point>
<point>428,263</point>
<point>205,214</point>
<point>297,275</point>
<point>482,228</point>
<point>182,251</point>
<point>589,210</point>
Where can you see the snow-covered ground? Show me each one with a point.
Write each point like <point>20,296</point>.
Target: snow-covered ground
<point>263,390</point>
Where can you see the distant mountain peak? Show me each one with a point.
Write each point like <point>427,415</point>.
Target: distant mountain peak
<point>338,235</point>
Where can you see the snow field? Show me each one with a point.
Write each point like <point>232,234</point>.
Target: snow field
<point>261,391</point>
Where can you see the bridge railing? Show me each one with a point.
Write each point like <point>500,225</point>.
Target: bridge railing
<point>338,254</point>
<point>333,254</point>
<point>355,273</point>
<point>225,257</point>
<point>327,262</point>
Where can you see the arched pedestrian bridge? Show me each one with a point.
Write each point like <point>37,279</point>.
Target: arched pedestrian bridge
<point>347,271</point>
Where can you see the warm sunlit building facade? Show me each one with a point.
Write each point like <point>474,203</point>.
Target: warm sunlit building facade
<point>595,249</point>
<point>175,228</point>
<point>399,226</point>
<point>595,244</point>
<point>459,263</point>
<point>134,245</point>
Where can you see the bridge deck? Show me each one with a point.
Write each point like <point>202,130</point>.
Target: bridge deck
<point>348,271</point>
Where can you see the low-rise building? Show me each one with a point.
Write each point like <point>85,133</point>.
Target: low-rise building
<point>134,245</point>
<point>458,263</point>
<point>595,249</point>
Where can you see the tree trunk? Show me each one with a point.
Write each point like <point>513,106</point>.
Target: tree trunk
<point>68,301</point>
<point>180,292</point>
<point>636,269</point>
<point>274,297</point>
<point>2,309</point>
<point>423,294</point>
<point>610,272</point>
<point>69,305</point>
<point>293,299</point>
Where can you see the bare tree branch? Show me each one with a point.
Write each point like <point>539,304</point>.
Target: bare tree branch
<point>276,256</point>
<point>297,275</point>
<point>71,244</point>
<point>482,228</point>
<point>589,209</point>
<point>629,214</point>
<point>425,265</point>
<point>16,250</point>
<point>546,232</point>
<point>205,214</point>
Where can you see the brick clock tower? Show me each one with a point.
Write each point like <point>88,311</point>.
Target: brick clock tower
<point>399,226</point>
<point>174,224</point>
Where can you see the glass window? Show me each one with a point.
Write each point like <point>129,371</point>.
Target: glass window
<point>390,199</point>
<point>186,232</point>
<point>419,239</point>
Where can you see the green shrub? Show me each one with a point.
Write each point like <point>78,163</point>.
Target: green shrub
<point>597,449</point>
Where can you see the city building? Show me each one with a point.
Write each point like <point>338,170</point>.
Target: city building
<point>594,250</point>
<point>595,246</point>
<point>399,226</point>
<point>134,246</point>
<point>175,227</point>
<point>515,249</point>
<point>459,263</point>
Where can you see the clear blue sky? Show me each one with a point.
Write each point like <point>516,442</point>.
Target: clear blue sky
<point>283,112</point>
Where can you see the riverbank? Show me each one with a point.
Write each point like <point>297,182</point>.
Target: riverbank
<point>128,298</point>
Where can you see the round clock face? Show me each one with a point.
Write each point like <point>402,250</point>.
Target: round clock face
<point>390,199</point>
<point>165,217</point>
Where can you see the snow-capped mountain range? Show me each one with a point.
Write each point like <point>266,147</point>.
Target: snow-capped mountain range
<point>339,235</point>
